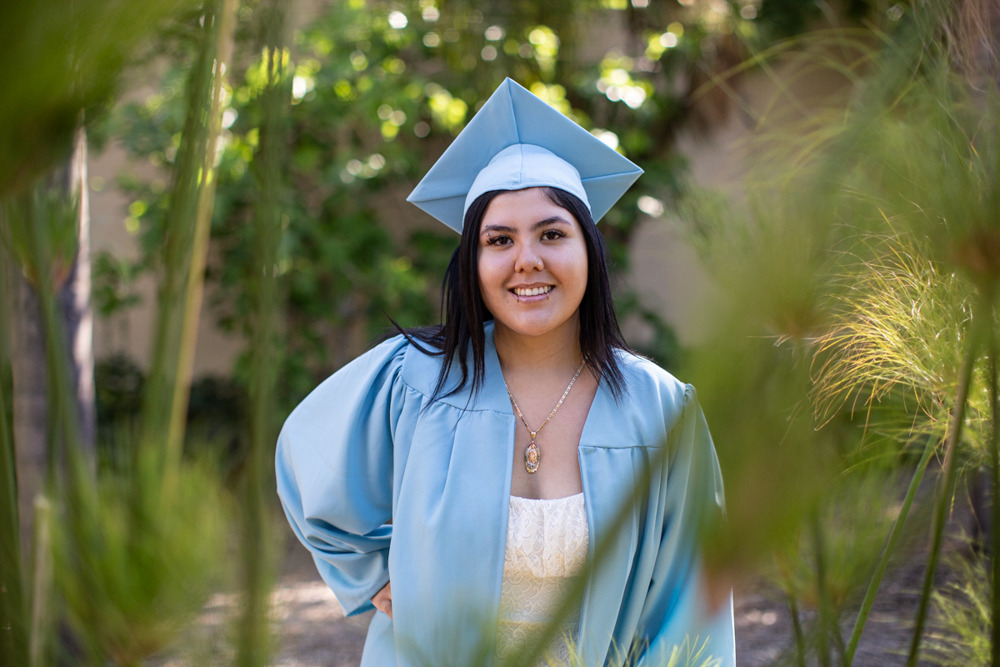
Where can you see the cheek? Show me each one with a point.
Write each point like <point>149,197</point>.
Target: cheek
<point>574,271</point>
<point>492,275</point>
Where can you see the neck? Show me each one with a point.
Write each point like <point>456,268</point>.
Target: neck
<point>554,350</point>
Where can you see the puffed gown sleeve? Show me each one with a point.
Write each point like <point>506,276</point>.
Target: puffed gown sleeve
<point>334,468</point>
<point>676,617</point>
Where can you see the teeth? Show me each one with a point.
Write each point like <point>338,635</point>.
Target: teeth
<point>534,291</point>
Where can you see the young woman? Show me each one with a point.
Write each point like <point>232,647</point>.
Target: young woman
<point>462,479</point>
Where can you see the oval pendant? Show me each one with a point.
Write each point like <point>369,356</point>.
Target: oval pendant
<point>532,457</point>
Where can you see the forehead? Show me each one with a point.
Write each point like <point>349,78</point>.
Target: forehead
<point>524,207</point>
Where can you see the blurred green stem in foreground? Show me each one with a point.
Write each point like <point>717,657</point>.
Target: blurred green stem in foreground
<point>186,243</point>
<point>41,582</point>
<point>826,624</point>
<point>258,547</point>
<point>994,442</point>
<point>131,556</point>
<point>800,640</point>
<point>35,218</point>
<point>13,610</point>
<point>890,547</point>
<point>980,323</point>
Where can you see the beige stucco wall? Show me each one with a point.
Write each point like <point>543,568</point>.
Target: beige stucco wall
<point>132,333</point>
<point>769,107</point>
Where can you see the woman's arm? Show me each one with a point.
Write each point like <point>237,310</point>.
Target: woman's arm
<point>334,466</point>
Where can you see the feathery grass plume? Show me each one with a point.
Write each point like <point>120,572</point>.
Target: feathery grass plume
<point>931,167</point>
<point>894,344</point>
<point>914,157</point>
<point>961,624</point>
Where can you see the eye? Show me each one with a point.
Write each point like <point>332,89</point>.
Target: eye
<point>552,235</point>
<point>498,240</point>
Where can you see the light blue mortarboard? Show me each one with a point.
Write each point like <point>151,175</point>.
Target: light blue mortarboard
<point>517,141</point>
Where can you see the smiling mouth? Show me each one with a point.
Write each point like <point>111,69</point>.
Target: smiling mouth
<point>532,291</point>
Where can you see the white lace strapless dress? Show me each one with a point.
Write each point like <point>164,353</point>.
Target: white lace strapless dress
<point>547,543</point>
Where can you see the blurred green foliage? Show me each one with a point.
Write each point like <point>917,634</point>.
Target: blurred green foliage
<point>857,323</point>
<point>963,624</point>
<point>112,279</point>
<point>377,91</point>
<point>216,408</point>
<point>135,558</point>
<point>61,216</point>
<point>63,61</point>
<point>135,549</point>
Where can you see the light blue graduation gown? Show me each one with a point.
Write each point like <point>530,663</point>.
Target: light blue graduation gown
<point>367,446</point>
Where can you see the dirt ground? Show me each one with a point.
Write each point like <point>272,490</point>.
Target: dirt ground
<point>314,633</point>
<point>311,630</point>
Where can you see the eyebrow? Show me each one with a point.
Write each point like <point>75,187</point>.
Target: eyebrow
<point>511,230</point>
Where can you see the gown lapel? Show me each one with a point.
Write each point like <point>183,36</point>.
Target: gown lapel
<point>608,470</point>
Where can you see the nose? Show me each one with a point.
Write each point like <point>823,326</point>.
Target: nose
<point>528,259</point>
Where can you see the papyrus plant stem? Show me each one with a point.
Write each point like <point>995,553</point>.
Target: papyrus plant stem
<point>825,622</point>
<point>41,582</point>
<point>800,639</point>
<point>13,610</point>
<point>947,483</point>
<point>186,238</point>
<point>36,216</point>
<point>887,551</point>
<point>994,442</point>
<point>254,627</point>
<point>225,17</point>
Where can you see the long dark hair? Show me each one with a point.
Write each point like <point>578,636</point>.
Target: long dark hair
<point>464,312</point>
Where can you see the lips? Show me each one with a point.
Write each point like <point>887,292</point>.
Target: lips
<point>532,291</point>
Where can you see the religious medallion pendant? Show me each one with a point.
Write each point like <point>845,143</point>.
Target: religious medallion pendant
<point>532,457</point>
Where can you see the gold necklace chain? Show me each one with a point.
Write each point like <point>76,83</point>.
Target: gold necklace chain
<point>532,455</point>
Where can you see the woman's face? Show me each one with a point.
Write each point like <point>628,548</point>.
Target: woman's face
<point>532,262</point>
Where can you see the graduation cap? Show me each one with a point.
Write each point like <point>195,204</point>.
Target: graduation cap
<point>517,141</point>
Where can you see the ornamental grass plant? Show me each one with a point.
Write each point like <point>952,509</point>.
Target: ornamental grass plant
<point>125,553</point>
<point>963,620</point>
<point>856,333</point>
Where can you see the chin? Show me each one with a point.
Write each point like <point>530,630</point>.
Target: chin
<point>532,331</point>
<point>529,326</point>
